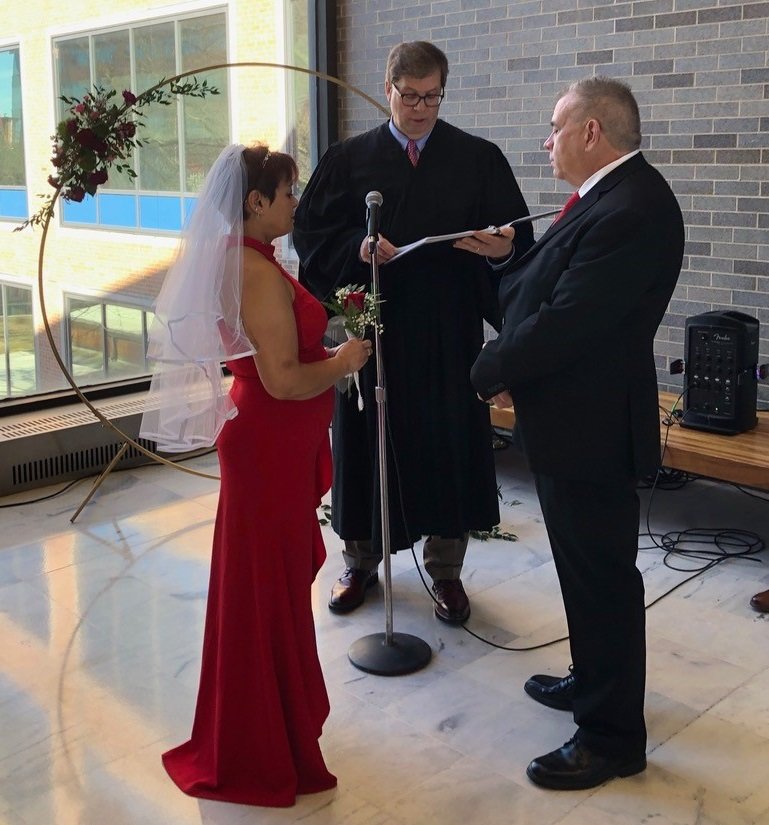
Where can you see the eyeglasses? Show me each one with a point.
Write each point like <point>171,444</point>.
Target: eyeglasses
<point>411,99</point>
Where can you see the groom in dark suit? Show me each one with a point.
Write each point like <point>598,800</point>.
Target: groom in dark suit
<point>575,357</point>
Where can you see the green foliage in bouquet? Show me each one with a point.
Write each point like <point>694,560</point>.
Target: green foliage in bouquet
<point>358,309</point>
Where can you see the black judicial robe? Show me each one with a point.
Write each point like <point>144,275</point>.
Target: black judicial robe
<point>441,478</point>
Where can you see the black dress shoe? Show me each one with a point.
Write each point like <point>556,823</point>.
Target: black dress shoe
<point>553,691</point>
<point>350,588</point>
<point>451,602</point>
<point>575,767</point>
<point>760,602</point>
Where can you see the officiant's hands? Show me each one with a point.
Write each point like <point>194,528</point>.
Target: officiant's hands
<point>487,244</point>
<point>384,250</point>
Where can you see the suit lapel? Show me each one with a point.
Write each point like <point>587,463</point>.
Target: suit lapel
<point>583,205</point>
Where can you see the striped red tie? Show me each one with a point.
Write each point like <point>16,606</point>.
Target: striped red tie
<point>567,206</point>
<point>412,152</point>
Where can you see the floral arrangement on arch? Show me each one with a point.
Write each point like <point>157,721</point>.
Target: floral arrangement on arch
<point>98,133</point>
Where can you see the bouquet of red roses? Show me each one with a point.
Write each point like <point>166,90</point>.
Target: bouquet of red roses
<point>357,309</point>
<point>354,309</point>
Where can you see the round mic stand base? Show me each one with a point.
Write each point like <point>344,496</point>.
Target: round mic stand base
<point>405,654</point>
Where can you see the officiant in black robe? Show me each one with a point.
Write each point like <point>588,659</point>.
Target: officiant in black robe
<point>434,179</point>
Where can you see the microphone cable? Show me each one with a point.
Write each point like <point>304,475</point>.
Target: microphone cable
<point>418,566</point>
<point>726,543</point>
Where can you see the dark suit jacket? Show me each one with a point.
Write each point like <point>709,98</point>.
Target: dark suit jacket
<point>581,309</point>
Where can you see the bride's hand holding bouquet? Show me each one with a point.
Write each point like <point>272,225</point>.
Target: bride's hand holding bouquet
<point>354,310</point>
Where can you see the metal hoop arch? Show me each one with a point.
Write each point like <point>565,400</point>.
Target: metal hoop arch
<point>47,221</point>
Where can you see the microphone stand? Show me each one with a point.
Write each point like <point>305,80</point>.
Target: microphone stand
<point>388,653</point>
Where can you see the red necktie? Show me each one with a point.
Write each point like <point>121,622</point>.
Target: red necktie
<point>567,206</point>
<point>412,152</point>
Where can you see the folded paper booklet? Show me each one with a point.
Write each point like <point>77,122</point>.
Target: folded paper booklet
<point>453,236</point>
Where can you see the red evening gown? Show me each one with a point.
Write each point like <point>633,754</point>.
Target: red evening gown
<point>262,701</point>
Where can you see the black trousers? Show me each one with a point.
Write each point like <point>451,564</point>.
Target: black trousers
<point>593,532</point>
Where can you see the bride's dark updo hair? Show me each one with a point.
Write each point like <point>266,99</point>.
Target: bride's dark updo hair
<point>266,170</point>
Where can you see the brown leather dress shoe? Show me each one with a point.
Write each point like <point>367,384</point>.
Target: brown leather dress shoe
<point>451,602</point>
<point>350,588</point>
<point>575,767</point>
<point>760,602</point>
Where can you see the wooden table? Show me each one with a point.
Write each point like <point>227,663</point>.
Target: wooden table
<point>742,459</point>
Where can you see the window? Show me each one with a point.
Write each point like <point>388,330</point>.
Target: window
<point>298,89</point>
<point>106,341</point>
<point>13,192</point>
<point>17,341</point>
<point>182,140</point>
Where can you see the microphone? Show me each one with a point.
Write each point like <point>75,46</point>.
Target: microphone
<point>373,203</point>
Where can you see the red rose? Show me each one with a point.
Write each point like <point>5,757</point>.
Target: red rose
<point>357,299</point>
<point>89,139</point>
<point>75,194</point>
<point>127,129</point>
<point>129,97</point>
<point>54,181</point>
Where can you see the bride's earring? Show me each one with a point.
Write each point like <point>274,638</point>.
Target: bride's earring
<point>255,204</point>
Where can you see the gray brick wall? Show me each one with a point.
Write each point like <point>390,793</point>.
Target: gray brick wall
<point>700,72</point>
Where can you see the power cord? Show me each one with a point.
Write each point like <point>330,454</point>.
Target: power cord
<point>726,543</point>
<point>68,486</point>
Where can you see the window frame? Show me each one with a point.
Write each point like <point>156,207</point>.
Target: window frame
<point>141,201</point>
<point>103,301</point>
<point>20,211</point>
<point>5,282</point>
<point>323,130</point>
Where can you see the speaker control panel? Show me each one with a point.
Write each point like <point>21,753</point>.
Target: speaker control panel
<point>713,371</point>
<point>721,387</point>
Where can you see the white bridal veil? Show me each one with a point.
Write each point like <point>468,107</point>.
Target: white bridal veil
<point>197,322</point>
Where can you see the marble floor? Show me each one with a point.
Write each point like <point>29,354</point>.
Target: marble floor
<point>100,629</point>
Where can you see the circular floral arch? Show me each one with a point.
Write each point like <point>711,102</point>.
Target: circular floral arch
<point>95,177</point>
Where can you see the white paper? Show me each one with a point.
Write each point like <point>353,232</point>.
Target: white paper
<point>453,236</point>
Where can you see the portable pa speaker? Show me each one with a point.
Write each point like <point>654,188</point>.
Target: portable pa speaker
<point>721,387</point>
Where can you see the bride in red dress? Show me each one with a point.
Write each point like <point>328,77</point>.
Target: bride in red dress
<point>262,701</point>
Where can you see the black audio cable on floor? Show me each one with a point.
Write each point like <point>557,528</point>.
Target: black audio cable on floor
<point>713,546</point>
